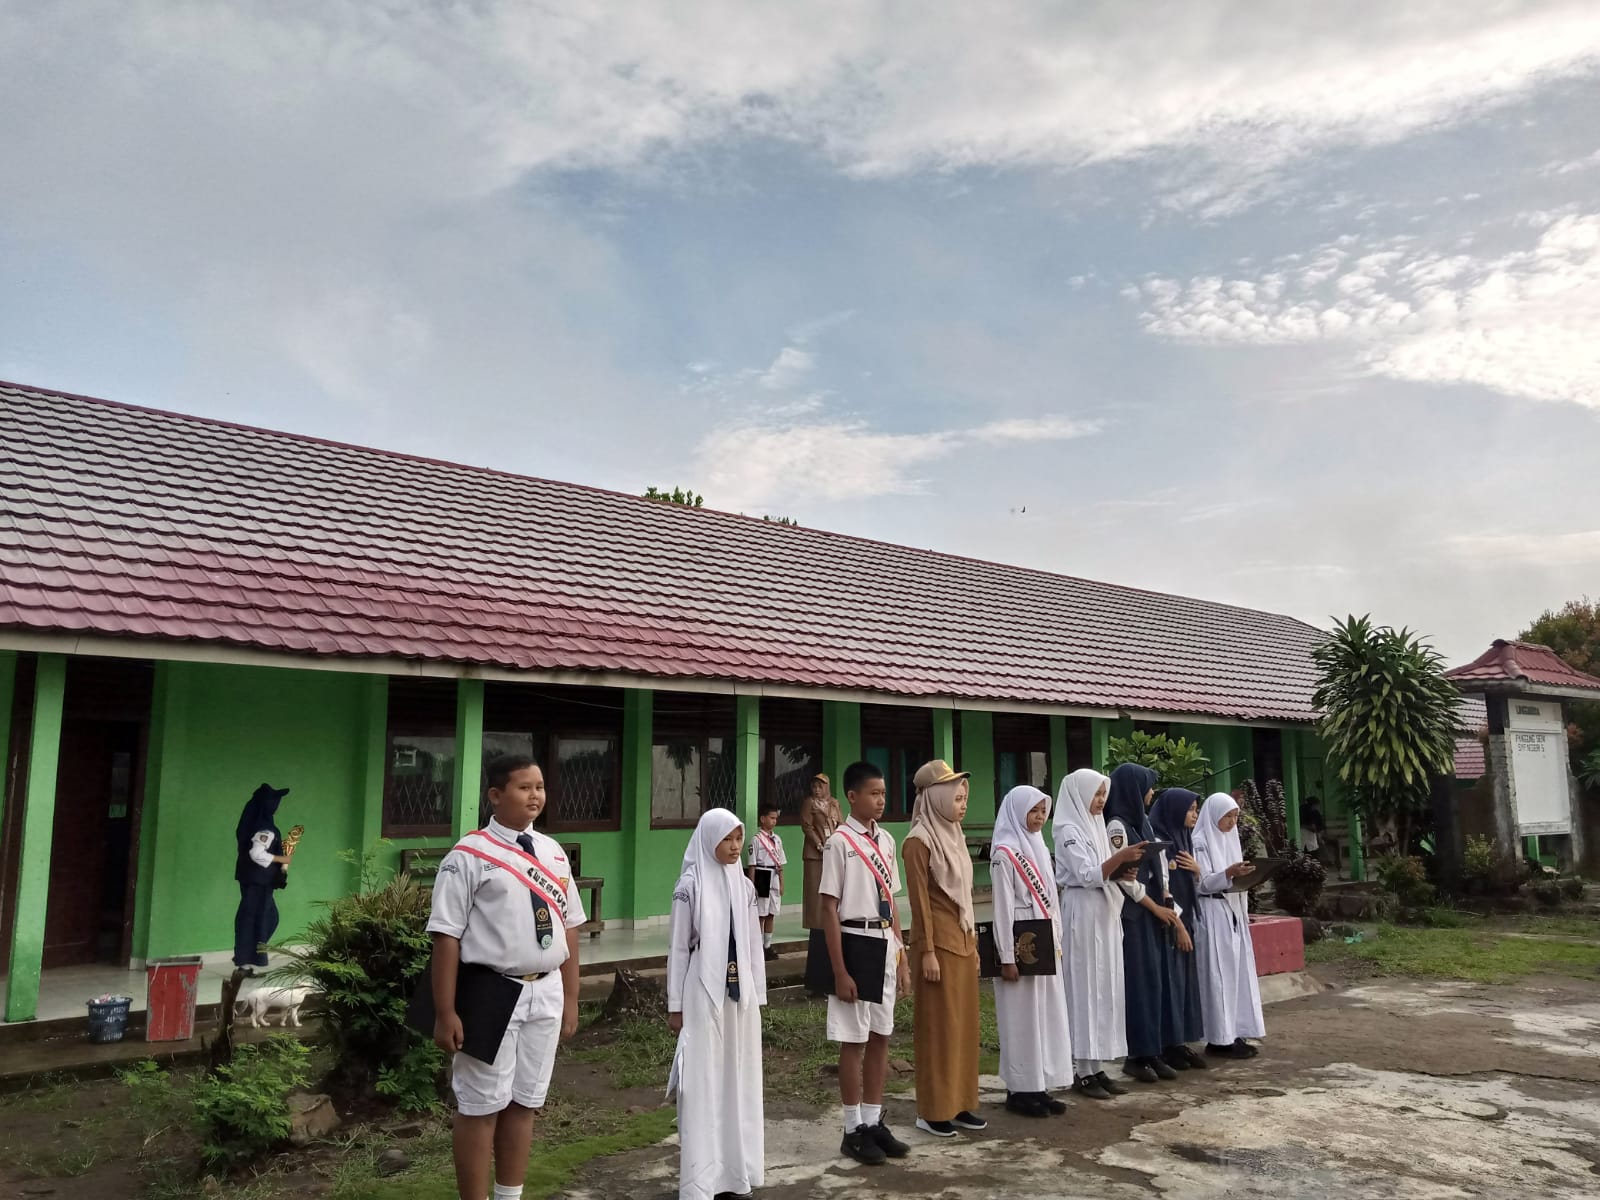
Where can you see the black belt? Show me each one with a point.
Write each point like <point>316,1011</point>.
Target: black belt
<point>874,923</point>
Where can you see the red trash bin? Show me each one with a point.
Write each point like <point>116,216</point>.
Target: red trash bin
<point>173,983</point>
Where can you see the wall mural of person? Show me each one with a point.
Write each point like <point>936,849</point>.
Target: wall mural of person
<point>261,869</point>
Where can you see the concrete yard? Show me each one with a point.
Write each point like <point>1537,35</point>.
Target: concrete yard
<point>1415,1090</point>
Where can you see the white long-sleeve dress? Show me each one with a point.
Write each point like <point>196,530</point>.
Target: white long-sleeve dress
<point>1092,924</point>
<point>1035,1028</point>
<point>718,1072</point>
<point>1230,996</point>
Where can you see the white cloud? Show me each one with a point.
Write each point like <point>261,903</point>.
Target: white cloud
<point>789,368</point>
<point>1575,548</point>
<point>1036,429</point>
<point>1521,323</point>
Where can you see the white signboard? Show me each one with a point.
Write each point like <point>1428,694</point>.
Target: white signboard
<point>1539,767</point>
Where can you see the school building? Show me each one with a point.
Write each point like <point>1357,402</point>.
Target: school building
<point>190,608</point>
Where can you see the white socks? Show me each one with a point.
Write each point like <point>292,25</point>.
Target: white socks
<point>871,1114</point>
<point>766,940</point>
<point>852,1117</point>
<point>508,1191</point>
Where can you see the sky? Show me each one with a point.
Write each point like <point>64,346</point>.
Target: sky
<point>1291,306</point>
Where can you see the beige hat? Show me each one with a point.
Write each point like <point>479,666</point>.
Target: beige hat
<point>819,776</point>
<point>936,772</point>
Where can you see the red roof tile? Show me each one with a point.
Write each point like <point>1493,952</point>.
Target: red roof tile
<point>1521,662</point>
<point>1469,758</point>
<point>150,524</point>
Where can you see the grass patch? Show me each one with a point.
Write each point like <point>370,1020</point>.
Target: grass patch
<point>638,1053</point>
<point>1478,955</point>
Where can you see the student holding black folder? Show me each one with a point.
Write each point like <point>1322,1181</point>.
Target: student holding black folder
<point>504,977</point>
<point>865,948</point>
<point>767,860</point>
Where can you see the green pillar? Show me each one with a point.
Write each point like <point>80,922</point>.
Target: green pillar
<point>38,829</point>
<point>1060,768</point>
<point>8,683</point>
<point>161,889</point>
<point>638,720</point>
<point>944,736</point>
<point>467,783</point>
<point>747,760</point>
<point>1291,783</point>
<point>373,749</point>
<point>1100,744</point>
<point>1358,853</point>
<point>841,741</point>
<point>977,756</point>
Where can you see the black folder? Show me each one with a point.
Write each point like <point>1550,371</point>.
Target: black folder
<point>1034,949</point>
<point>485,1000</point>
<point>864,958</point>
<point>763,881</point>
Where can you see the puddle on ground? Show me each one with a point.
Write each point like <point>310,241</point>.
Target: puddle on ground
<point>1569,1029</point>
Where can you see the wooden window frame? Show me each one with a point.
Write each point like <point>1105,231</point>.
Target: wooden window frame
<point>769,763</point>
<point>902,746</point>
<point>700,738</point>
<point>1008,738</point>
<point>612,822</point>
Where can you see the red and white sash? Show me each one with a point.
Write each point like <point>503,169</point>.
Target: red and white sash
<point>1030,876</point>
<point>879,869</point>
<point>770,845</point>
<point>525,868</point>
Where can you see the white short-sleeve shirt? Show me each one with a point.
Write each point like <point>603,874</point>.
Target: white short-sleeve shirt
<point>766,850</point>
<point>851,880</point>
<point>493,914</point>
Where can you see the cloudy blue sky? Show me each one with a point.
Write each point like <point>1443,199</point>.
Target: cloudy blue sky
<point>1293,305</point>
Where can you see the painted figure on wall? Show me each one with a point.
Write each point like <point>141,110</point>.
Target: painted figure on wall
<point>261,869</point>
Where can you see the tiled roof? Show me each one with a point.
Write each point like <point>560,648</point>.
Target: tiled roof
<point>1469,758</point>
<point>136,523</point>
<point>1519,662</point>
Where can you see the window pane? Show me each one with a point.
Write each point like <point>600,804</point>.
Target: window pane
<point>675,782</point>
<point>419,793</point>
<point>722,781</point>
<point>494,745</point>
<point>585,775</point>
<point>1039,770</point>
<point>793,767</point>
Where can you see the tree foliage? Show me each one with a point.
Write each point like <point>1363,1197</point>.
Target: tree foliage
<point>688,498</point>
<point>1388,716</point>
<point>1573,632</point>
<point>1176,761</point>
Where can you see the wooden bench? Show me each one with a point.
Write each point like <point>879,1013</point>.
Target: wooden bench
<point>422,864</point>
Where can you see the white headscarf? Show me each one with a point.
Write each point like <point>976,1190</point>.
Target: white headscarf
<point>1011,827</point>
<point>721,893</point>
<point>1074,821</point>
<point>1224,849</point>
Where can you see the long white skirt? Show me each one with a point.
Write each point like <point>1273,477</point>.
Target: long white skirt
<point>1230,996</point>
<point>1093,975</point>
<point>720,1116</point>
<point>1035,1038</point>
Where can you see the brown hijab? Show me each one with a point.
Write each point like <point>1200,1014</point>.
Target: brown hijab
<point>933,822</point>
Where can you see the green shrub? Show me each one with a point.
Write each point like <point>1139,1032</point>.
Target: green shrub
<point>1477,861</point>
<point>1176,762</point>
<point>159,1101</point>
<point>364,955</point>
<point>1406,879</point>
<point>243,1110</point>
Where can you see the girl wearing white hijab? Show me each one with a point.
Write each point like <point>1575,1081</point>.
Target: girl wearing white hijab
<point>1035,1038</point>
<point>1091,914</point>
<point>716,984</point>
<point>1230,999</point>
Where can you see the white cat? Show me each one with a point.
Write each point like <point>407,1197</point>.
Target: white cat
<point>266,1000</point>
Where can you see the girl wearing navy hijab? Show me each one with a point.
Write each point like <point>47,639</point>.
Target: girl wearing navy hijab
<point>1145,924</point>
<point>260,872</point>
<point>1172,817</point>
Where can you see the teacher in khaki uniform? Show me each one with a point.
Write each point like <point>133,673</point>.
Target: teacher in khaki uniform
<point>944,953</point>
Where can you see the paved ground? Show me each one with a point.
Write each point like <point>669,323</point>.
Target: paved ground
<point>1402,1089</point>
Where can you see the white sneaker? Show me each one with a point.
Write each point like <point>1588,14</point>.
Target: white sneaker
<point>942,1129</point>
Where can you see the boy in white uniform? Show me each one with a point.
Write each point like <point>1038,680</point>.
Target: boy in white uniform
<point>766,854</point>
<point>505,899</point>
<point>860,878</point>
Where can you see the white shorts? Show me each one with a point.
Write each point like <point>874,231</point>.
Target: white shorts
<point>521,1070</point>
<point>852,1023</point>
<point>769,906</point>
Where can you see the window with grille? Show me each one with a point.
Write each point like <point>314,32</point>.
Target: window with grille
<point>420,758</point>
<point>692,760</point>
<point>791,753</point>
<point>574,734</point>
<point>897,741</point>
<point>1021,752</point>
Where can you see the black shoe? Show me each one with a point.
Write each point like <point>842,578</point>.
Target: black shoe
<point>1161,1069</point>
<point>769,954</point>
<point>1110,1084</point>
<point>863,1147</point>
<point>1089,1086</point>
<point>1249,1050</point>
<point>1027,1104</point>
<point>734,1195</point>
<point>1233,1051</point>
<point>1054,1107</point>
<point>944,1129</point>
<point>887,1142</point>
<point>966,1120</point>
<point>1140,1069</point>
<point>1175,1058</point>
<point>1196,1062</point>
